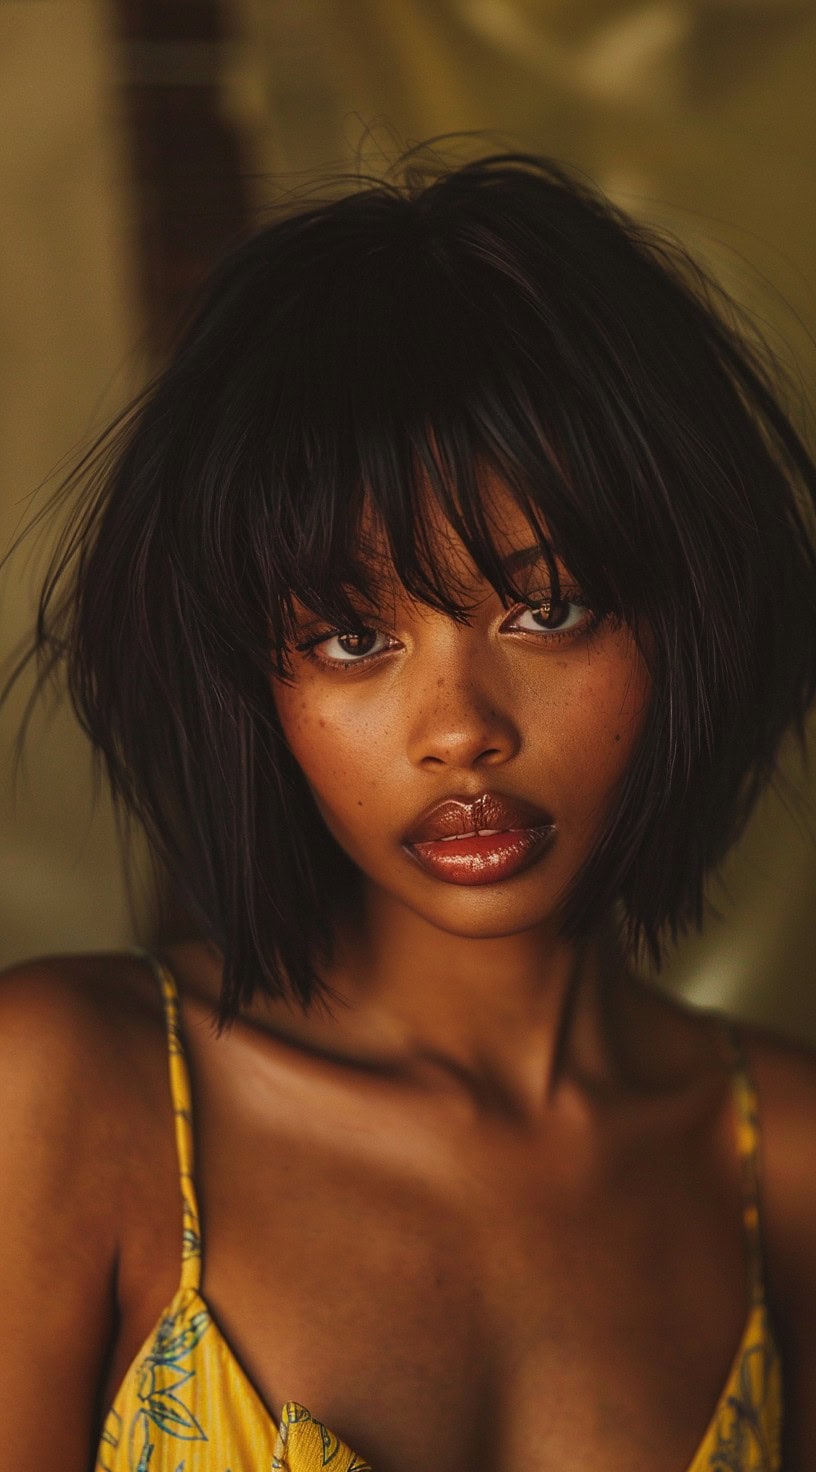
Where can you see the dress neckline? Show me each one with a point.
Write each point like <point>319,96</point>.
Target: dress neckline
<point>190,1300</point>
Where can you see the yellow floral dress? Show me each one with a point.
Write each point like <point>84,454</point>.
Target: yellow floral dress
<point>186,1405</point>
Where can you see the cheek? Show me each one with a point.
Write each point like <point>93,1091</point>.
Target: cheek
<point>594,730</point>
<point>332,749</point>
<point>305,729</point>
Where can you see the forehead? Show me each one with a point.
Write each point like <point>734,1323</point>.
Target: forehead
<point>509,527</point>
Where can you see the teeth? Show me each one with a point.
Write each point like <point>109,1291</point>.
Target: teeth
<point>482,833</point>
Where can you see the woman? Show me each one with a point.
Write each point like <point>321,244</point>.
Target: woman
<point>439,610</point>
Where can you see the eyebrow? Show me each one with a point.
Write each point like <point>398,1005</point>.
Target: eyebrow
<point>514,562</point>
<point>526,557</point>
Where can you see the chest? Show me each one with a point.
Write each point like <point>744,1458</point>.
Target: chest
<point>446,1296</point>
<point>473,1310</point>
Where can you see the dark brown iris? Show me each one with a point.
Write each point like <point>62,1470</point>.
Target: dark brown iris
<point>550,611</point>
<point>360,642</point>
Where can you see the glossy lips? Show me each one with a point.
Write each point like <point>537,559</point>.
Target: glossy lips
<point>479,840</point>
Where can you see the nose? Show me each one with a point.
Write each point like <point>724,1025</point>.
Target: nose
<point>461,713</point>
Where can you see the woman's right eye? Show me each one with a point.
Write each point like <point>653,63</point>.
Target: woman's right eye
<point>352,647</point>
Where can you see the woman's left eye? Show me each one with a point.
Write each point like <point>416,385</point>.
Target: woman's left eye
<point>554,617</point>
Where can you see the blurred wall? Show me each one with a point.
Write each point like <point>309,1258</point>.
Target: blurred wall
<point>67,327</point>
<point>696,114</point>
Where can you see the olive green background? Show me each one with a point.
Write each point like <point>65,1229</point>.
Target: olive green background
<point>698,116</point>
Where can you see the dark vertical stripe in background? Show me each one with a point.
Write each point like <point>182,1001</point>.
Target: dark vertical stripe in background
<point>189,191</point>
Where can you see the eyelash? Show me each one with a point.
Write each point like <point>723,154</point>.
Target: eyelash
<point>308,646</point>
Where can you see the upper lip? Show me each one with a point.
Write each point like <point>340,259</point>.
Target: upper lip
<point>458,816</point>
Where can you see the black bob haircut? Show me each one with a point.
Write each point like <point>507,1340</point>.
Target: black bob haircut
<point>376,346</point>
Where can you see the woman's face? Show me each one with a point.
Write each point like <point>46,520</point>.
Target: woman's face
<point>522,721</point>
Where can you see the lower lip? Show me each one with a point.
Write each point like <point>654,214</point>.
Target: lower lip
<point>485,858</point>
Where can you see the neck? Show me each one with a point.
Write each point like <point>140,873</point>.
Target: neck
<point>509,1019</point>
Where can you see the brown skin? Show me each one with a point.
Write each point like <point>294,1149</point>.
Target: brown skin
<point>478,977</point>
<point>486,1215</point>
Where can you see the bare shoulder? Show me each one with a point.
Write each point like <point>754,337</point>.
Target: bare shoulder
<point>74,1018</point>
<point>784,1071</point>
<point>784,1074</point>
<point>77,1038</point>
<point>84,1094</point>
<point>80,983</point>
<point>689,1045</point>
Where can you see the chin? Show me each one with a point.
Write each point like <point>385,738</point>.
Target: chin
<point>488,917</point>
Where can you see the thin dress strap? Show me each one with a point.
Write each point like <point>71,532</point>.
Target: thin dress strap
<point>747,1120</point>
<point>191,1260</point>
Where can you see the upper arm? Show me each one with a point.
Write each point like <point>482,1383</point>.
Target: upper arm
<point>58,1223</point>
<point>785,1076</point>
